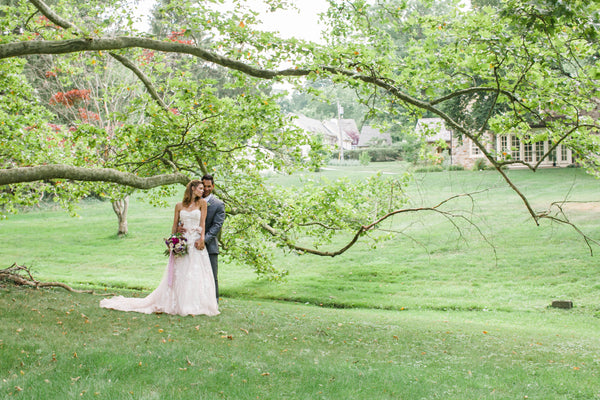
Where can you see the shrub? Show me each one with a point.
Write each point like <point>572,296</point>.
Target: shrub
<point>480,164</point>
<point>364,158</point>
<point>430,168</point>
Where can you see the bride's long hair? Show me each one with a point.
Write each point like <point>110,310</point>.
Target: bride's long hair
<point>188,195</point>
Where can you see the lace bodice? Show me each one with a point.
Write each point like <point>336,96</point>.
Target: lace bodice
<point>190,220</point>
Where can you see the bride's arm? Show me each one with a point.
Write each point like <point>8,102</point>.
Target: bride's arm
<point>176,218</point>
<point>203,207</point>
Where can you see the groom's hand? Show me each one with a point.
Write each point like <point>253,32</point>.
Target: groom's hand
<point>180,229</point>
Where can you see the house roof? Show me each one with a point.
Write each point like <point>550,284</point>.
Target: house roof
<point>347,126</point>
<point>370,136</point>
<point>310,125</point>
<point>433,129</point>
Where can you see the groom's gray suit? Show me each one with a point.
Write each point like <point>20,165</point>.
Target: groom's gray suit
<point>215,216</point>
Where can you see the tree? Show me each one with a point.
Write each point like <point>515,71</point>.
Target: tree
<point>94,93</point>
<point>539,68</point>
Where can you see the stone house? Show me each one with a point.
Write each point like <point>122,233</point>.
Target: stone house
<point>464,152</point>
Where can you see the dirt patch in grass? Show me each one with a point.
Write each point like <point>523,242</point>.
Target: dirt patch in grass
<point>591,206</point>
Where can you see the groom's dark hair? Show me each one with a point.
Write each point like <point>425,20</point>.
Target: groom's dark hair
<point>208,177</point>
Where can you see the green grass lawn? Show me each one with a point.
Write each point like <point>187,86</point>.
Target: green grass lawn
<point>433,312</point>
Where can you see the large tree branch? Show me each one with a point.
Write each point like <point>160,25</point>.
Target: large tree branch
<point>59,171</point>
<point>126,42</point>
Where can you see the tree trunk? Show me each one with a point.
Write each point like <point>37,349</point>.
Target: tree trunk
<point>120,208</point>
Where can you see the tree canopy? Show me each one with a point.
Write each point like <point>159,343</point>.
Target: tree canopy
<point>201,100</point>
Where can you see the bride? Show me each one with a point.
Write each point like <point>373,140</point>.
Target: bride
<point>187,286</point>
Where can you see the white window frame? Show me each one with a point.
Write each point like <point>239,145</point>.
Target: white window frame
<point>539,150</point>
<point>564,153</point>
<point>474,150</point>
<point>515,147</point>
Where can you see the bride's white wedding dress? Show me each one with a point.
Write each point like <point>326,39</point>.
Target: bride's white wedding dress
<point>192,290</point>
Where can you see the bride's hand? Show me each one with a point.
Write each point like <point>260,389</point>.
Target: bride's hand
<point>199,244</point>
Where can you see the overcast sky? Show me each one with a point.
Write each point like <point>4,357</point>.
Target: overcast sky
<point>302,24</point>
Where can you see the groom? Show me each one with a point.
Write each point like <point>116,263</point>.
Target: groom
<point>215,216</point>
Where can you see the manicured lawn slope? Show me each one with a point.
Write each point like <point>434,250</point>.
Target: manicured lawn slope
<point>437,311</point>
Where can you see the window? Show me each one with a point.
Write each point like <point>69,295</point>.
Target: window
<point>527,152</point>
<point>539,151</point>
<point>564,154</point>
<point>552,156</point>
<point>515,147</point>
<point>475,151</point>
<point>503,145</point>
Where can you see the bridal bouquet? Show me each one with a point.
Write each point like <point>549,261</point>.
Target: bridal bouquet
<point>177,244</point>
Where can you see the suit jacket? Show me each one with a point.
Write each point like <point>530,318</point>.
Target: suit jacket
<point>215,216</point>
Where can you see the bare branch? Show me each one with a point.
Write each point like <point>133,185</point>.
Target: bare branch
<point>15,272</point>
<point>565,220</point>
<point>588,240</point>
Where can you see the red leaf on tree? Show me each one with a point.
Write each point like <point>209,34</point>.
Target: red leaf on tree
<point>71,97</point>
